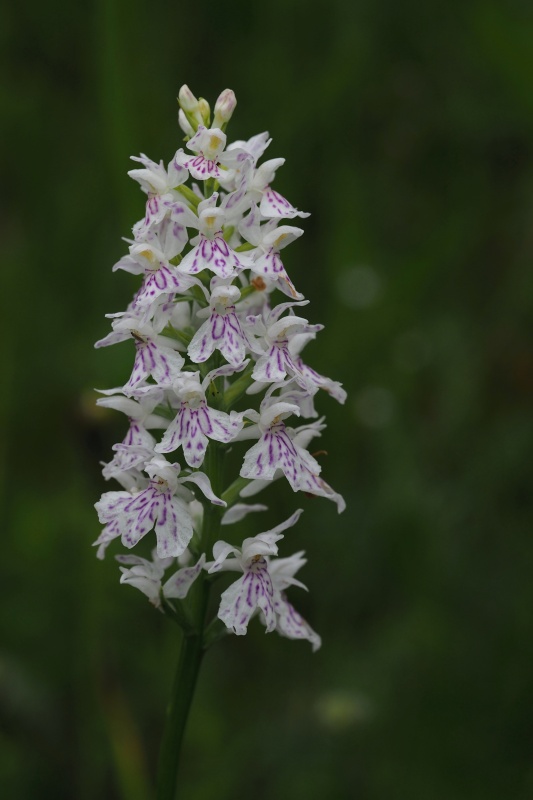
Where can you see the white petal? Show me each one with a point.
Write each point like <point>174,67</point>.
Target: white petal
<point>291,624</point>
<point>185,431</point>
<point>264,544</point>
<point>179,584</point>
<point>111,504</point>
<point>224,427</point>
<point>257,486</point>
<point>280,237</point>
<point>240,600</point>
<point>274,205</point>
<point>146,584</point>
<point>280,409</point>
<point>173,528</point>
<point>221,551</point>
<point>259,462</point>
<point>204,484</point>
<point>240,511</point>
<point>288,523</point>
<point>282,571</point>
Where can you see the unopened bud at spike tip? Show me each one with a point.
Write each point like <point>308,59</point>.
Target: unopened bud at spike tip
<point>187,100</point>
<point>205,111</point>
<point>224,108</point>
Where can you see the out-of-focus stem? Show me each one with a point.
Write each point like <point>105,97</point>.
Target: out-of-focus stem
<point>192,646</point>
<point>178,712</point>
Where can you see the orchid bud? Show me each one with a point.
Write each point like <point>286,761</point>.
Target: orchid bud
<point>184,123</point>
<point>224,108</point>
<point>190,106</point>
<point>187,100</point>
<point>205,111</point>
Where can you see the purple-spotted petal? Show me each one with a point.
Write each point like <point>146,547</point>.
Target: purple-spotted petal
<point>154,358</point>
<point>201,168</point>
<point>164,280</point>
<point>110,505</point>
<point>291,624</point>
<point>274,205</point>
<point>215,255</point>
<point>173,527</point>
<point>179,584</point>
<point>244,597</point>
<point>185,431</point>
<point>333,388</point>
<point>109,533</point>
<point>222,427</point>
<point>270,266</point>
<point>274,450</point>
<point>221,332</point>
<point>140,515</point>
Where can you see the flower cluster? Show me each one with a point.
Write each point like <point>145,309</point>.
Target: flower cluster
<point>207,336</point>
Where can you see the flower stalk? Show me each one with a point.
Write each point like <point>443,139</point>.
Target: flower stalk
<point>193,646</point>
<point>190,658</point>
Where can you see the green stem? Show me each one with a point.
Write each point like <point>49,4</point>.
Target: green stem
<point>209,187</point>
<point>192,645</point>
<point>183,336</point>
<point>231,495</point>
<point>228,232</point>
<point>182,694</point>
<point>178,614</point>
<point>238,388</point>
<point>189,195</point>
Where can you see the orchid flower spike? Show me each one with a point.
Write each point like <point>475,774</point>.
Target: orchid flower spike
<point>218,401</point>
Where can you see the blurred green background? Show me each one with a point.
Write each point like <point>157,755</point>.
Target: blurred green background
<point>407,130</point>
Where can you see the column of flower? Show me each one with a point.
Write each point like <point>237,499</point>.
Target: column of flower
<point>208,335</point>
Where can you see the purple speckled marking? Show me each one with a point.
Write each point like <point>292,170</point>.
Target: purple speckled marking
<point>276,450</point>
<point>274,205</point>
<point>333,388</point>
<point>161,280</point>
<point>133,516</point>
<point>291,623</point>
<point>179,584</point>
<point>132,452</point>
<point>213,254</point>
<point>277,204</point>
<point>162,363</point>
<point>201,168</point>
<point>271,266</point>
<point>220,332</point>
<point>192,427</point>
<point>254,590</point>
<point>154,211</point>
<point>278,363</point>
<point>236,197</point>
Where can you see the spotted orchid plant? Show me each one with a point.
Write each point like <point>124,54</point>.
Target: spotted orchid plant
<point>210,335</point>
